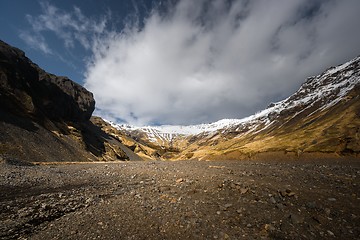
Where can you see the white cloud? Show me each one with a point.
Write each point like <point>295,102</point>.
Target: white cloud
<point>36,42</point>
<point>70,27</point>
<point>204,60</point>
<point>207,60</point>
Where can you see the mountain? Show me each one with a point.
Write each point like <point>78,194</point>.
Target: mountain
<point>322,118</point>
<point>46,118</point>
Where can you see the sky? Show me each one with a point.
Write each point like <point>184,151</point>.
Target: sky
<point>182,61</point>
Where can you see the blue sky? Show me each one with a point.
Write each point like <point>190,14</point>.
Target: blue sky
<point>184,61</point>
<point>63,61</point>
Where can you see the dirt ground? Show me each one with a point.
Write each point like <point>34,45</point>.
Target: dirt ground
<point>181,200</point>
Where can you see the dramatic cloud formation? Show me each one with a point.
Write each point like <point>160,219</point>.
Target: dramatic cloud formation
<point>207,60</point>
<point>201,61</point>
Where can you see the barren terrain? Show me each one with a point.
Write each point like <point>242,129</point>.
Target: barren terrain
<point>181,200</point>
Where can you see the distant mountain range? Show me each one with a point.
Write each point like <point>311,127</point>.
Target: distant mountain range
<point>48,118</point>
<point>323,116</point>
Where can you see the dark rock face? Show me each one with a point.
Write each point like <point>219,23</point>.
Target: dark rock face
<point>46,118</point>
<point>27,89</point>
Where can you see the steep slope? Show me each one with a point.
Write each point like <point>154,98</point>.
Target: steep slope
<point>322,117</point>
<point>132,147</point>
<point>44,117</point>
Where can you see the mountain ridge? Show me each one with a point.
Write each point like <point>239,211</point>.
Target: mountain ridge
<point>317,96</point>
<point>224,123</point>
<point>47,118</point>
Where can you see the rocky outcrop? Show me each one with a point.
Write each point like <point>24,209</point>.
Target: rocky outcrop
<point>27,89</point>
<point>44,117</point>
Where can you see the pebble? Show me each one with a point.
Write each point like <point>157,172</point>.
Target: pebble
<point>327,211</point>
<point>287,193</point>
<point>291,194</point>
<point>280,206</point>
<point>272,200</point>
<point>228,205</point>
<point>269,227</point>
<point>244,190</point>
<point>330,233</point>
<point>296,219</point>
<point>311,205</point>
<point>179,180</point>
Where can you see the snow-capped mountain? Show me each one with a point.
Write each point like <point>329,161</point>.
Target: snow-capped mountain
<point>170,132</point>
<point>317,94</point>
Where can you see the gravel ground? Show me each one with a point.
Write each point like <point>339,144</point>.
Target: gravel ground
<point>181,200</point>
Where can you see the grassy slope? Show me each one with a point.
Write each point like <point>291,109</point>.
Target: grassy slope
<point>334,130</point>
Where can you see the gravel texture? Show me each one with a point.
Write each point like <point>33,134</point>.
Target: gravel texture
<point>181,200</point>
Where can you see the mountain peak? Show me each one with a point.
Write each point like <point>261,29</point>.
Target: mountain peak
<point>318,96</point>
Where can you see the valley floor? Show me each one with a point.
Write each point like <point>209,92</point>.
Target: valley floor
<point>181,200</point>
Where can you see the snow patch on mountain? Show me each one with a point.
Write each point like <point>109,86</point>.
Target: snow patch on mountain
<point>326,90</point>
<point>169,132</point>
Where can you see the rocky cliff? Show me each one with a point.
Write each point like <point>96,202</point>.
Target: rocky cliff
<point>26,88</point>
<point>44,117</point>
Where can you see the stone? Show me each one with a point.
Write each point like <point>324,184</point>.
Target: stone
<point>327,211</point>
<point>244,190</point>
<point>226,206</point>
<point>179,180</point>
<point>272,200</point>
<point>291,194</point>
<point>296,219</point>
<point>280,206</point>
<point>311,205</point>
<point>269,227</point>
<point>330,233</point>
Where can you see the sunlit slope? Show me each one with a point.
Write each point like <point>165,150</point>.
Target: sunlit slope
<point>322,117</point>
